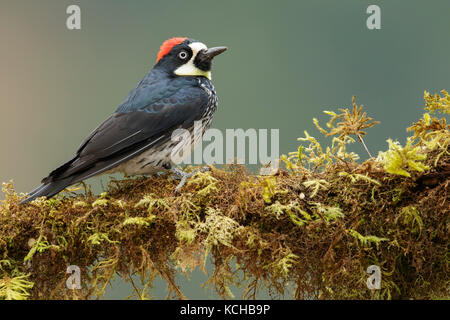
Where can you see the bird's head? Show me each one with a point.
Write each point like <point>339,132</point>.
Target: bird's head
<point>186,57</point>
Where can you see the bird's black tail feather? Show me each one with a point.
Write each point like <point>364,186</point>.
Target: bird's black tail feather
<point>47,189</point>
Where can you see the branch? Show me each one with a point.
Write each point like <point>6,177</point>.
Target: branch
<point>318,229</point>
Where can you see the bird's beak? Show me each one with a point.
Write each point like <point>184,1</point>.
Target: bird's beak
<point>209,54</point>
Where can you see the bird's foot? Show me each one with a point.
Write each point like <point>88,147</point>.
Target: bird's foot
<point>183,176</point>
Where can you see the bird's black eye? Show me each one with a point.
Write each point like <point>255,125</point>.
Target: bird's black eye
<point>182,55</point>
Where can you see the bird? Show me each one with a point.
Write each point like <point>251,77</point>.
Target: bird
<point>136,138</point>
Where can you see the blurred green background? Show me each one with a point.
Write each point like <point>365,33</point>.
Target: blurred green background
<point>287,61</point>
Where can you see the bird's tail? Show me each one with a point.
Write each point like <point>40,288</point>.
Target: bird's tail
<point>48,189</point>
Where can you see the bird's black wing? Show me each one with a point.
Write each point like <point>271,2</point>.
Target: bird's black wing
<point>126,134</point>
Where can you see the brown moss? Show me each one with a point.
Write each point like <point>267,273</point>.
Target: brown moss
<point>317,228</point>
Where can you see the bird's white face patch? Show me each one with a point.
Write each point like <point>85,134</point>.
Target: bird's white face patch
<point>189,68</point>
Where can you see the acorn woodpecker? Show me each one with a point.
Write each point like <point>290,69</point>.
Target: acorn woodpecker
<point>136,138</point>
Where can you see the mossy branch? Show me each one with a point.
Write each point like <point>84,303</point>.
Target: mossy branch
<point>310,231</point>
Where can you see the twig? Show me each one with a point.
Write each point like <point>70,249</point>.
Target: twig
<point>365,147</point>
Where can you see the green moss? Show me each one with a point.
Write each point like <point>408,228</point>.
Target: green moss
<point>316,225</point>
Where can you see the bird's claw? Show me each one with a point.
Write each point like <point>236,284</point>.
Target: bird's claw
<point>183,176</point>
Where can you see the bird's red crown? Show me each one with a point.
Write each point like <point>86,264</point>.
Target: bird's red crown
<point>167,46</point>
